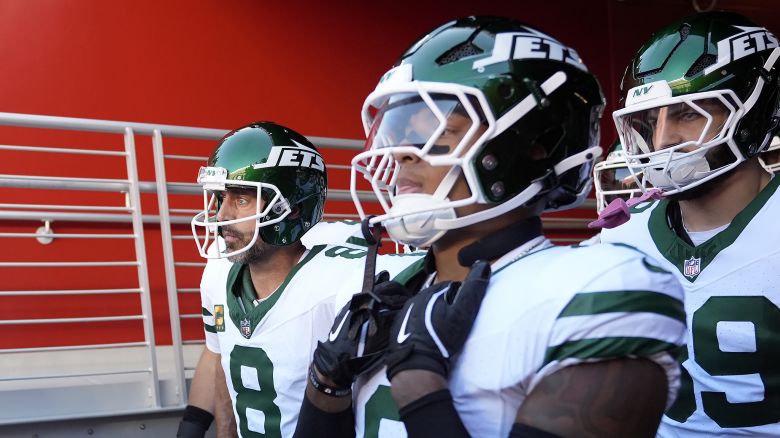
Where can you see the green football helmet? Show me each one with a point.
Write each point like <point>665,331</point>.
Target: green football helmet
<point>287,173</point>
<point>532,112</point>
<point>612,178</point>
<point>700,97</point>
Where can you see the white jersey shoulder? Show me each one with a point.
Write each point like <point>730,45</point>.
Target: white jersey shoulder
<point>334,233</point>
<point>554,308</point>
<point>266,347</point>
<point>731,384</point>
<point>394,264</point>
<point>212,290</point>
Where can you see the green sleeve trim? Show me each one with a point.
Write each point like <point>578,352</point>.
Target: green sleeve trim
<point>205,312</point>
<point>209,328</point>
<point>594,303</point>
<point>410,271</point>
<point>359,241</point>
<point>608,348</point>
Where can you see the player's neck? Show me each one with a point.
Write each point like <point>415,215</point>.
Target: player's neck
<point>448,247</point>
<point>719,207</point>
<point>268,273</point>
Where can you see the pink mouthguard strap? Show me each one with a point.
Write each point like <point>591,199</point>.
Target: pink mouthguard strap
<point>617,212</point>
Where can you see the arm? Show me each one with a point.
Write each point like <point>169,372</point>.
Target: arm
<point>338,360</point>
<point>223,409</point>
<point>199,412</point>
<point>435,324</point>
<point>202,386</point>
<point>614,398</point>
<point>321,412</point>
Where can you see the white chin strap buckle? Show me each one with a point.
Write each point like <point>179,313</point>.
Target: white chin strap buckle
<point>417,229</point>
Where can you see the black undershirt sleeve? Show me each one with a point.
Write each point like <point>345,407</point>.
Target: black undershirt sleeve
<point>525,431</point>
<point>316,423</point>
<point>433,415</point>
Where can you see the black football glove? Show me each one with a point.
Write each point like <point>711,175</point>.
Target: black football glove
<point>434,324</point>
<point>359,336</point>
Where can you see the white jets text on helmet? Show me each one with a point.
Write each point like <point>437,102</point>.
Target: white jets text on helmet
<point>291,156</point>
<point>522,45</point>
<point>751,40</point>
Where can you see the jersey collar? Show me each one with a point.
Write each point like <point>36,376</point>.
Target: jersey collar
<point>691,260</point>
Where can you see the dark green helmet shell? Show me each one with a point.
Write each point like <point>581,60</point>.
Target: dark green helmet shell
<point>508,61</point>
<point>714,51</point>
<point>273,154</point>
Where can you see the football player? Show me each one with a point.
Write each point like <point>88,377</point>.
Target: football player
<point>482,125</point>
<point>699,104</point>
<point>199,412</point>
<point>264,188</point>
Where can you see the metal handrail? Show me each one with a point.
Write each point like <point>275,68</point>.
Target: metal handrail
<point>190,264</point>
<point>118,127</point>
<point>74,347</point>
<point>10,293</point>
<point>66,207</point>
<point>60,150</point>
<point>64,264</point>
<point>72,375</point>
<point>70,235</point>
<point>71,320</point>
<point>168,258</point>
<point>134,197</point>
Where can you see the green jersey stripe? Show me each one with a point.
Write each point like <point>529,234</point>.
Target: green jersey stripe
<point>357,241</point>
<point>209,328</point>
<point>606,348</point>
<point>593,303</point>
<point>205,312</point>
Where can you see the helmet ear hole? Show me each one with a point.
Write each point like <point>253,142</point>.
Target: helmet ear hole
<point>536,152</point>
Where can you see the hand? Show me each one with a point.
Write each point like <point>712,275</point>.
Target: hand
<point>359,336</point>
<point>436,323</point>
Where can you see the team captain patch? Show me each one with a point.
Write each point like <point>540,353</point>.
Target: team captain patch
<point>219,317</point>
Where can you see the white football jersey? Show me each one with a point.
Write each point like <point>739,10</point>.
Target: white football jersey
<point>731,376</point>
<point>215,273</point>
<point>553,308</point>
<point>266,346</point>
<point>334,233</point>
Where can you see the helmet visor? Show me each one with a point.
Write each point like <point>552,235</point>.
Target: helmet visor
<point>682,142</point>
<point>435,124</point>
<point>267,207</point>
<point>691,122</point>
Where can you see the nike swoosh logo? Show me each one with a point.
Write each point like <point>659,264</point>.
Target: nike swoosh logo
<point>333,335</point>
<point>403,335</point>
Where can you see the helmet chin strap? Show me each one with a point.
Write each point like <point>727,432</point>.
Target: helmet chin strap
<point>423,229</point>
<point>683,168</point>
<point>419,229</point>
<point>521,198</point>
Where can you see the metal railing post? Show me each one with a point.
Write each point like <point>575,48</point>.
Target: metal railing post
<point>170,269</point>
<point>143,275</point>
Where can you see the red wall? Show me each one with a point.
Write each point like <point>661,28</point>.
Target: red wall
<point>222,64</point>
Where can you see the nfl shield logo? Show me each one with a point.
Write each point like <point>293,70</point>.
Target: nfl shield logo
<point>246,329</point>
<point>691,267</point>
